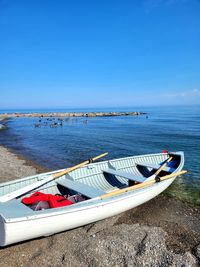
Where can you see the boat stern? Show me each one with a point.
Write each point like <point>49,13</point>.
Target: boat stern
<point>180,159</point>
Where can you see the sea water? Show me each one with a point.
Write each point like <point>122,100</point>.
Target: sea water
<point>170,128</point>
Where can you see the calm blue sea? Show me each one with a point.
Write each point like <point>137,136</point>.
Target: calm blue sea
<point>171,128</point>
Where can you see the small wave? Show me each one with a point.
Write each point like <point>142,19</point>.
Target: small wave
<point>2,127</point>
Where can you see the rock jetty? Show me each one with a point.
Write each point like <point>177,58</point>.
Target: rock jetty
<point>72,114</point>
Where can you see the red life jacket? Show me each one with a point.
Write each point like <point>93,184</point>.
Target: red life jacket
<point>58,201</point>
<point>54,201</point>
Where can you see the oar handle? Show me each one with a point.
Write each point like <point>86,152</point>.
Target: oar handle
<point>100,156</point>
<point>137,186</point>
<point>168,176</point>
<point>61,173</point>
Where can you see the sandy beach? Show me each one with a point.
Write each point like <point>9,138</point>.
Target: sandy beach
<point>162,232</point>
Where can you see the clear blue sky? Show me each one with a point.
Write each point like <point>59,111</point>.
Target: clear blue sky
<point>99,53</point>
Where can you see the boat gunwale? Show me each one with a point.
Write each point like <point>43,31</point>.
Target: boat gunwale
<point>89,165</point>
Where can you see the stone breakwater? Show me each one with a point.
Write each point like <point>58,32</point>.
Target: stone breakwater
<point>71,114</point>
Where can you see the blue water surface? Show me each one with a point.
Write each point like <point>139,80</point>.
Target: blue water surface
<point>171,128</point>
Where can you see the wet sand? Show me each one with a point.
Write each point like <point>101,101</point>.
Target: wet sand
<point>162,232</point>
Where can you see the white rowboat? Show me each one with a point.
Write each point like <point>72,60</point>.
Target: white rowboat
<point>109,188</point>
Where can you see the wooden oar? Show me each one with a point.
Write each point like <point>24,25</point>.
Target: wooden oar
<point>33,186</point>
<point>163,166</point>
<point>137,186</point>
<point>56,175</point>
<point>159,170</point>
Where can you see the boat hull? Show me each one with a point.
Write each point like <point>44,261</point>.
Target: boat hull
<point>33,227</point>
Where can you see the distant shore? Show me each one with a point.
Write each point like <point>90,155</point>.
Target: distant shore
<point>70,114</point>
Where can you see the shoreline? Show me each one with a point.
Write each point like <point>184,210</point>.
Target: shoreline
<point>175,221</point>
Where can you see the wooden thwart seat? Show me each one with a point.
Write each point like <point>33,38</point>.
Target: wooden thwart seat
<point>155,166</point>
<point>124,174</point>
<point>84,189</point>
